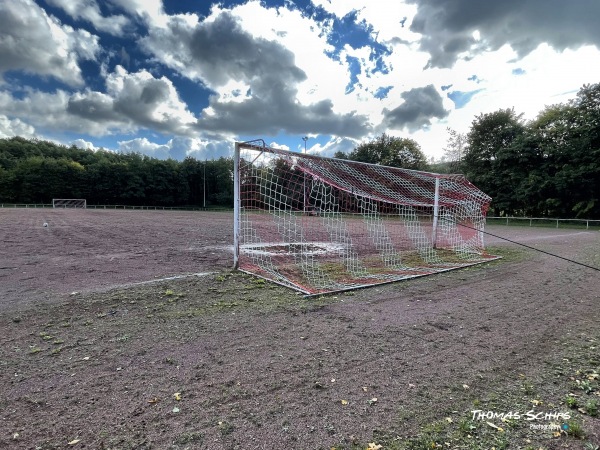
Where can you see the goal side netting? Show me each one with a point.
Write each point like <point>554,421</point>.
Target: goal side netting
<point>321,225</point>
<point>69,203</point>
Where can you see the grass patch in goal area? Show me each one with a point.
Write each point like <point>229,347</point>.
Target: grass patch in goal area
<point>328,273</point>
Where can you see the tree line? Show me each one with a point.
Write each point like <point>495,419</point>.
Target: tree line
<point>34,171</point>
<point>549,166</point>
<point>546,167</point>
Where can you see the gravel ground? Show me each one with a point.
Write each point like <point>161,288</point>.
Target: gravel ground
<point>98,350</point>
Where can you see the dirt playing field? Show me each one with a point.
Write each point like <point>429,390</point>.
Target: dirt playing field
<point>87,250</point>
<point>102,346</point>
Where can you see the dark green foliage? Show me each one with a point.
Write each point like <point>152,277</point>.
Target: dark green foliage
<point>548,167</point>
<point>391,151</point>
<point>34,171</point>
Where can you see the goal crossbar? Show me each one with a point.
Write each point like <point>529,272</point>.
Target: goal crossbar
<point>321,225</point>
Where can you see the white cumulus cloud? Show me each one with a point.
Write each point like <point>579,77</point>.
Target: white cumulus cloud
<point>33,41</point>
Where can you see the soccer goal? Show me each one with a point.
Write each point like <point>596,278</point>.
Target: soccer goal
<point>69,203</point>
<point>321,225</point>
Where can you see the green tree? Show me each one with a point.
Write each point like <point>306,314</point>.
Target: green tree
<point>193,172</point>
<point>163,183</point>
<point>391,151</point>
<point>491,159</point>
<point>455,149</point>
<point>568,139</point>
<point>219,182</point>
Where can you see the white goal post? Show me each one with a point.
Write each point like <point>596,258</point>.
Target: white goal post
<point>322,225</point>
<point>69,203</point>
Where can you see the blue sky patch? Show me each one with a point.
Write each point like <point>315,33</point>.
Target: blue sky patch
<point>354,69</point>
<point>382,92</point>
<point>347,31</point>
<point>460,98</point>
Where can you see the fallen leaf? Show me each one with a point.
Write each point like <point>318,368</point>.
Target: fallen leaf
<point>364,388</point>
<point>333,380</point>
<point>465,386</point>
<point>344,402</point>
<point>449,419</point>
<point>153,400</point>
<point>176,409</point>
<point>495,426</point>
<point>556,434</point>
<point>15,435</point>
<point>373,400</point>
<point>536,402</point>
<point>74,441</point>
<point>374,446</point>
<point>177,396</point>
<point>410,385</point>
<point>85,358</point>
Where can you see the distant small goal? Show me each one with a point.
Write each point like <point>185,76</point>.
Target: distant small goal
<point>69,203</point>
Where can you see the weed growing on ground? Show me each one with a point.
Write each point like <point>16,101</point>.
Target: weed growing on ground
<point>571,401</point>
<point>591,407</point>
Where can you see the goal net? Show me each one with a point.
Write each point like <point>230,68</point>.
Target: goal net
<point>68,203</point>
<point>321,225</point>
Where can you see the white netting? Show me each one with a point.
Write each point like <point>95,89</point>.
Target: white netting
<point>321,224</point>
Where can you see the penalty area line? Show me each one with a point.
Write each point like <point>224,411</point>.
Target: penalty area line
<point>175,277</point>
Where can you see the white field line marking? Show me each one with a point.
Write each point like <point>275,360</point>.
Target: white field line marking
<point>139,283</point>
<point>176,277</point>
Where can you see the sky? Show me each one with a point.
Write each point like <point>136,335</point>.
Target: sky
<point>175,78</point>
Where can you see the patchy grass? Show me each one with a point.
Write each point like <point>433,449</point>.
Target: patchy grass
<point>472,424</point>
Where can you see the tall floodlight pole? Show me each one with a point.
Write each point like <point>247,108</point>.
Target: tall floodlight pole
<point>305,138</point>
<point>204,186</point>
